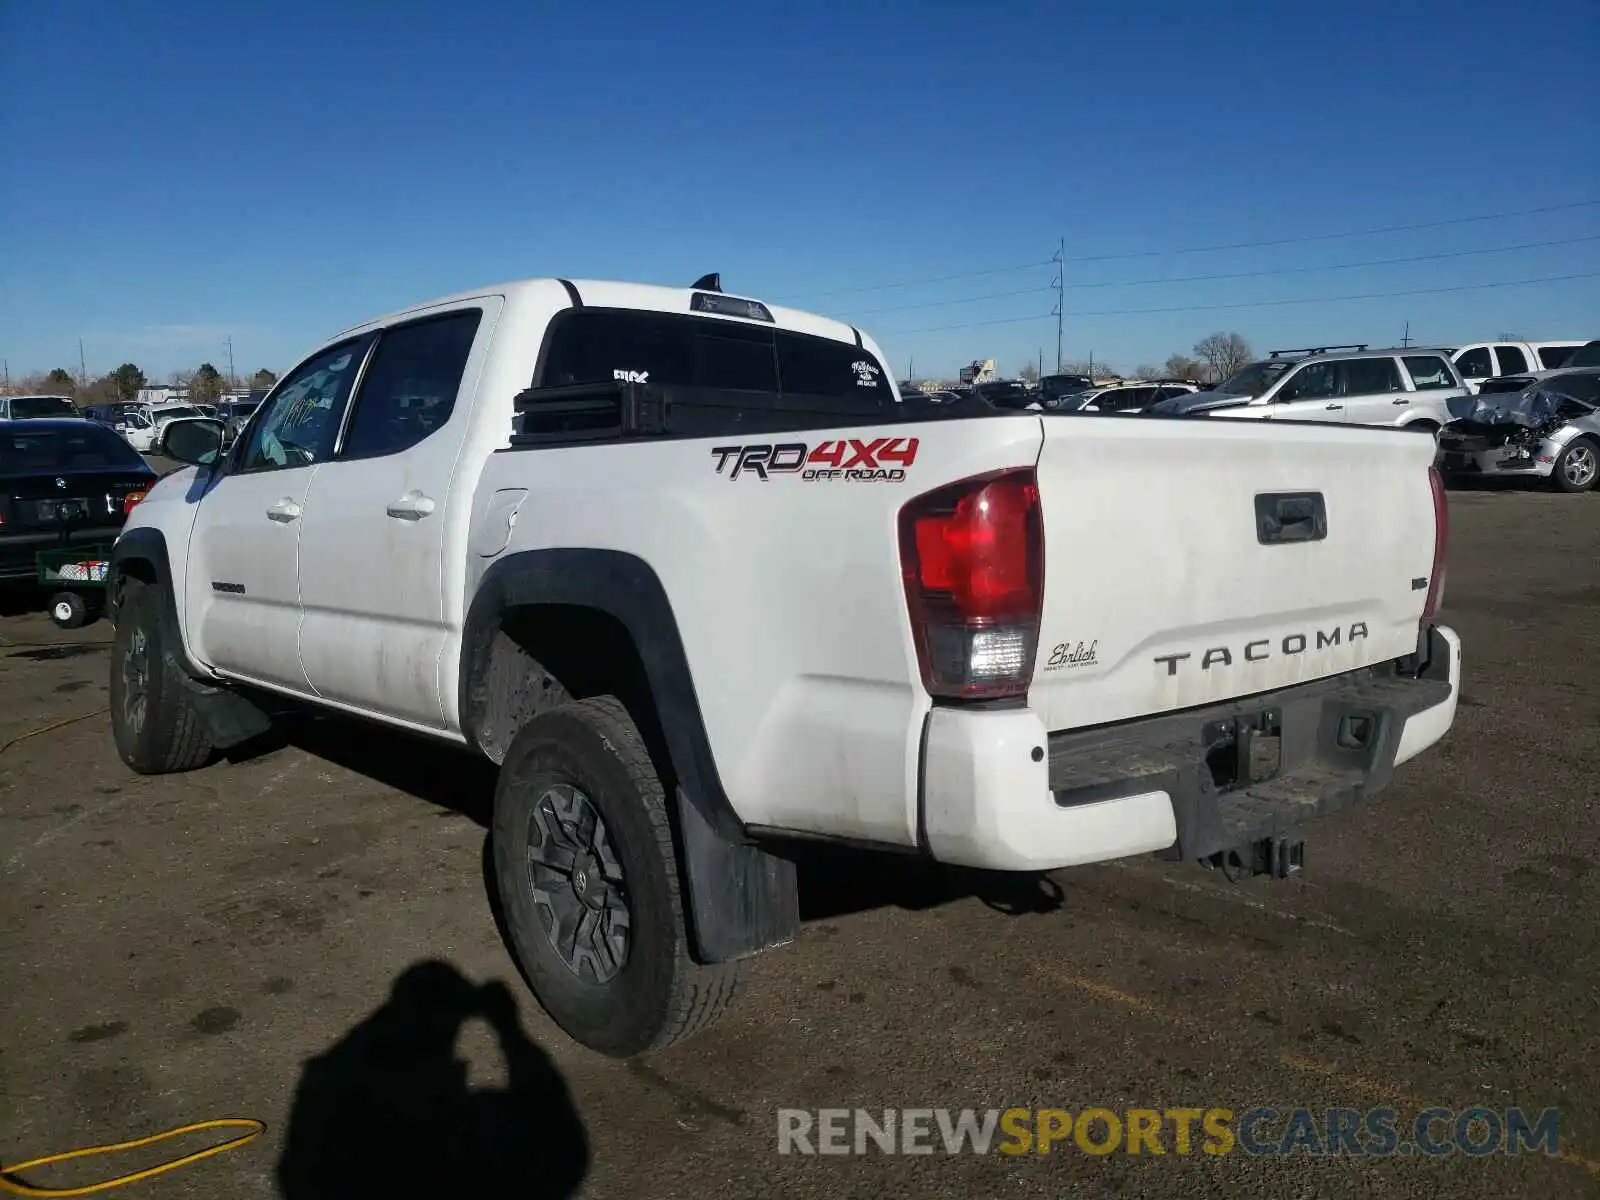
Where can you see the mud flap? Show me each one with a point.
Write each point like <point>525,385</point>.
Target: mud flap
<point>742,900</point>
<point>230,718</point>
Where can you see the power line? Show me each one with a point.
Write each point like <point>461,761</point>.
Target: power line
<point>1129,312</point>
<point>872,312</point>
<point>1371,262</point>
<point>1434,291</point>
<point>1285,241</point>
<point>1374,262</point>
<point>883,287</point>
<point>1328,237</point>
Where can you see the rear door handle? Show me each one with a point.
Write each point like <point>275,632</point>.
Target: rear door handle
<point>1402,400</point>
<point>1335,407</point>
<point>284,511</point>
<point>413,506</point>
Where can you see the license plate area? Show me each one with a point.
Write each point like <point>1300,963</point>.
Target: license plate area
<point>1245,750</point>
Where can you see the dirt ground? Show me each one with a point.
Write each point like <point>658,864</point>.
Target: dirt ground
<point>177,949</point>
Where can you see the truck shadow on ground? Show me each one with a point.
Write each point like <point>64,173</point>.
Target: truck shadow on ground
<point>387,1111</point>
<point>833,882</point>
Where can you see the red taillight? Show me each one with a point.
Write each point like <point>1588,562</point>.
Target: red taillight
<point>131,499</point>
<point>1441,544</point>
<point>972,556</point>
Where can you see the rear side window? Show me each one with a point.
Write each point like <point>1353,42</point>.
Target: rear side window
<point>1552,357</point>
<point>596,345</point>
<point>1429,371</point>
<point>1371,377</point>
<point>410,386</point>
<point>1512,360</point>
<point>1475,364</point>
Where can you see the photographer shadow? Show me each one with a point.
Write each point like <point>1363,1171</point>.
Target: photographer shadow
<point>387,1111</point>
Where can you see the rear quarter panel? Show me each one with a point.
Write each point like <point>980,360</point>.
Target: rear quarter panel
<point>788,597</point>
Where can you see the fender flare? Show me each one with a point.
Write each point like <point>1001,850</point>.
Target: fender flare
<point>230,717</point>
<point>625,587</point>
<point>742,899</point>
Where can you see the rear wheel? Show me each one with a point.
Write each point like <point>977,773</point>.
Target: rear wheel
<point>154,720</point>
<point>588,881</point>
<point>1576,466</point>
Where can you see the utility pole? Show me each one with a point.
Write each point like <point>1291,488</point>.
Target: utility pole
<point>8,373</point>
<point>1041,362</point>
<point>233,380</point>
<point>911,370</point>
<point>1405,339</point>
<point>1060,260</point>
<point>83,366</point>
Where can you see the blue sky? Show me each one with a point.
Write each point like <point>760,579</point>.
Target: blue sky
<point>179,172</point>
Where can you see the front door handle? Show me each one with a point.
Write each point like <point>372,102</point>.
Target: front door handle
<point>1335,407</point>
<point>1402,400</point>
<point>413,506</point>
<point>284,510</point>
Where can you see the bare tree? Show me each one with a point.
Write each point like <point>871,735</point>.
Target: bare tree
<point>1180,366</point>
<point>1146,371</point>
<point>1084,367</point>
<point>1028,372</point>
<point>1224,353</point>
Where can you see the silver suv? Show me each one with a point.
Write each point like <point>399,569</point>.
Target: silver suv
<point>1411,387</point>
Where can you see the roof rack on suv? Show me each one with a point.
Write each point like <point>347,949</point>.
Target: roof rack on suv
<point>1316,350</point>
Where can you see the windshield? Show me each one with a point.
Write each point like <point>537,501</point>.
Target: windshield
<point>91,448</point>
<point>1254,379</point>
<point>180,410</point>
<point>42,406</point>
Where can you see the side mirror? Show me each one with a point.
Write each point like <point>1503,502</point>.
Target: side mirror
<point>193,440</point>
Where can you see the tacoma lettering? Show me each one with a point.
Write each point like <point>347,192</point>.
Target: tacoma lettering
<point>1259,649</point>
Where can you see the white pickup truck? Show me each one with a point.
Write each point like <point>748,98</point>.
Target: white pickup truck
<point>691,572</point>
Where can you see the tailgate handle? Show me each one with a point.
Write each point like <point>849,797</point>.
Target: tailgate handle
<point>1290,517</point>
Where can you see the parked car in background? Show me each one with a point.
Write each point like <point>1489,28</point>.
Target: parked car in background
<point>23,408</point>
<point>1053,387</point>
<point>1010,394</point>
<point>235,414</point>
<point>1412,388</point>
<point>1547,428</point>
<point>63,483</point>
<point>1486,360</point>
<point>1135,395</point>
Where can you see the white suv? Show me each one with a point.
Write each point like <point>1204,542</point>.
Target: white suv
<point>1134,395</point>
<point>1490,360</point>
<point>1410,388</point>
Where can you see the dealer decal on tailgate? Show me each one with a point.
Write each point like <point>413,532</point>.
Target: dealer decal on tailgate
<point>859,460</point>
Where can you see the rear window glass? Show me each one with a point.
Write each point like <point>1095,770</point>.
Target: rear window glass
<point>42,406</point>
<point>595,345</point>
<point>90,448</point>
<point>1551,357</point>
<point>1371,376</point>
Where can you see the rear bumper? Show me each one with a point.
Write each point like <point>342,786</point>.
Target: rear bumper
<point>1000,792</point>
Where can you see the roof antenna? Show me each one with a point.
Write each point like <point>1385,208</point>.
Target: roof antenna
<point>708,283</point>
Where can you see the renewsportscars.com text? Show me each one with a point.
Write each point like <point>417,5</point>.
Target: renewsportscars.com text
<point>1348,1132</point>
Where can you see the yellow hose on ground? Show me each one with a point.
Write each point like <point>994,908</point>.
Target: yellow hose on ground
<point>9,1182</point>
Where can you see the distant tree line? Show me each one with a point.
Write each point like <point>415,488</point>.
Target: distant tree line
<point>1212,359</point>
<point>205,384</point>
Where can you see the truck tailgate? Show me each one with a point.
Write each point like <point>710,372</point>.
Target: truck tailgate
<point>1160,590</point>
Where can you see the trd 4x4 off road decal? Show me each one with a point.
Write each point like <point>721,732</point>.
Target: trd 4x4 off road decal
<point>869,460</point>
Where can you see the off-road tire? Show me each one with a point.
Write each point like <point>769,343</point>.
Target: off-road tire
<point>157,728</point>
<point>660,994</point>
<point>1558,473</point>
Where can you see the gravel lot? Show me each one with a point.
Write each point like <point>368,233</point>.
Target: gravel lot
<point>178,949</point>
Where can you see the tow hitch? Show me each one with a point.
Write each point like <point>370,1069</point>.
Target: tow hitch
<point>1278,857</point>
